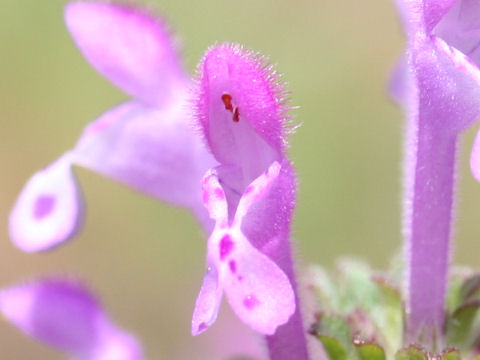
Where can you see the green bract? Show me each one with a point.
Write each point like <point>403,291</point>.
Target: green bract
<point>363,315</point>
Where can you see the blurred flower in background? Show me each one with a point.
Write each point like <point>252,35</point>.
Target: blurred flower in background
<point>65,315</point>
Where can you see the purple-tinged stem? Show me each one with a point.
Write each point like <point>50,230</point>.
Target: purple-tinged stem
<point>428,216</point>
<point>289,342</point>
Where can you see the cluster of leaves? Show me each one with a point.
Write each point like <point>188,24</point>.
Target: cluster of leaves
<point>363,314</point>
<point>463,323</point>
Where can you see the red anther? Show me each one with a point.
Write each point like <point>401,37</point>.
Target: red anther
<point>236,115</point>
<point>227,100</point>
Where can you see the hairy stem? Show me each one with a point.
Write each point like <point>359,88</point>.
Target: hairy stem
<point>428,229</point>
<point>289,342</point>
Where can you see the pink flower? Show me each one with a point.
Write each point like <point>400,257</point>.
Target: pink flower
<point>151,144</point>
<point>147,143</point>
<point>251,196</point>
<point>65,315</point>
<point>257,289</point>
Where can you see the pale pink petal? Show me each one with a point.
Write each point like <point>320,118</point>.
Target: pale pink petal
<point>208,302</point>
<point>240,110</point>
<point>267,222</point>
<point>214,198</point>
<point>57,313</point>
<point>460,28</point>
<point>128,46</point>
<point>449,84</point>
<point>257,289</point>
<point>49,210</point>
<point>435,10</point>
<point>155,151</point>
<point>63,314</point>
<point>257,190</point>
<point>116,345</point>
<point>423,15</point>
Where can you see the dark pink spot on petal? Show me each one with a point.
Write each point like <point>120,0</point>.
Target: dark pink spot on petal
<point>233,266</point>
<point>219,193</point>
<point>240,278</point>
<point>202,327</point>
<point>226,246</point>
<point>248,190</point>
<point>43,206</point>
<point>250,302</point>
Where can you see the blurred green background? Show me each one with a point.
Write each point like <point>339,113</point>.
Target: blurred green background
<point>146,259</point>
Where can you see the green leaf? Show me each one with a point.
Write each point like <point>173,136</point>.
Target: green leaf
<point>459,325</point>
<point>389,313</point>
<point>333,348</point>
<point>325,288</point>
<point>460,284</point>
<point>471,288</point>
<point>390,294</point>
<point>411,353</point>
<point>451,354</point>
<point>368,351</point>
<point>359,290</point>
<point>328,328</point>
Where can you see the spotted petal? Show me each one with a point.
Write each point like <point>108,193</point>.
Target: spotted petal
<point>257,289</point>
<point>49,210</point>
<point>214,198</point>
<point>154,151</point>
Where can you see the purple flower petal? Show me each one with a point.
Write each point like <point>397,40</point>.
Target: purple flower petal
<point>257,289</point>
<point>208,302</point>
<point>422,13</point>
<point>49,210</point>
<point>116,345</point>
<point>257,190</point>
<point>449,86</point>
<point>266,224</point>
<point>65,315</point>
<point>147,144</point>
<point>214,198</point>
<point>460,28</point>
<point>154,150</point>
<point>240,110</point>
<point>129,47</point>
<point>243,116</point>
<point>434,10</point>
